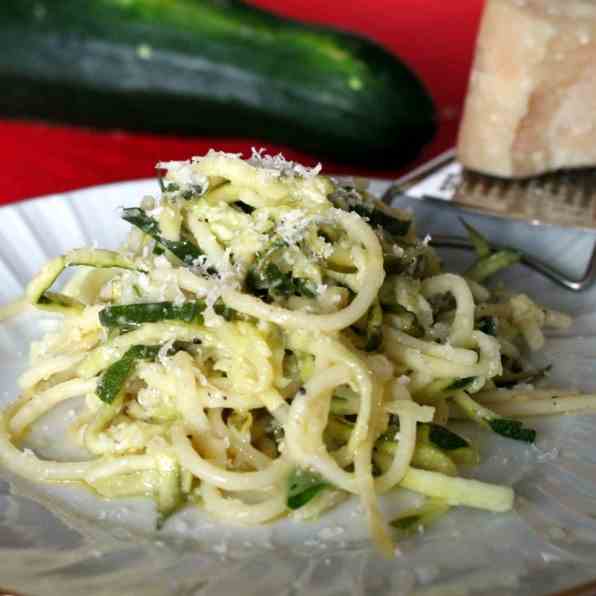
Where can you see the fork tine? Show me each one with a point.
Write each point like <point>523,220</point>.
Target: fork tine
<point>565,199</point>
<point>575,285</point>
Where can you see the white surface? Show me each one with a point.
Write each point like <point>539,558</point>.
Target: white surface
<point>62,540</point>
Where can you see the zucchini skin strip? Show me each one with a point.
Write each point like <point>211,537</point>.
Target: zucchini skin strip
<point>488,266</point>
<point>186,251</point>
<point>126,316</point>
<point>511,429</point>
<point>38,289</point>
<point>113,379</point>
<point>303,486</point>
<point>488,262</point>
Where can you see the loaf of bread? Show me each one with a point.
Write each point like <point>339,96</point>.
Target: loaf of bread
<point>531,103</point>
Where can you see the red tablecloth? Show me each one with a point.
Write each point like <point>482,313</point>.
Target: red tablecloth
<point>434,37</point>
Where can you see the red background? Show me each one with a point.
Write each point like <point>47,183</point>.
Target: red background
<point>436,38</point>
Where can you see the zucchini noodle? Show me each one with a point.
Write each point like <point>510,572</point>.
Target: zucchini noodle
<point>269,341</point>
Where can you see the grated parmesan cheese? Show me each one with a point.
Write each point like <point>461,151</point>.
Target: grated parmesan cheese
<point>227,277</point>
<point>280,166</point>
<point>183,174</point>
<point>292,225</point>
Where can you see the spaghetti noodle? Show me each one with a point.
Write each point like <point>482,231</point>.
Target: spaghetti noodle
<point>267,341</point>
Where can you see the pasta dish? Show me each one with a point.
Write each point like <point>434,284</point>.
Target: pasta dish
<point>269,341</point>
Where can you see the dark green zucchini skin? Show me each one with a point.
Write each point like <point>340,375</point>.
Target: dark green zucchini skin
<point>210,67</point>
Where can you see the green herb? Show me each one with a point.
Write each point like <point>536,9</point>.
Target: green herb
<point>185,250</point>
<point>487,325</point>
<point>304,486</point>
<point>114,377</point>
<point>132,315</point>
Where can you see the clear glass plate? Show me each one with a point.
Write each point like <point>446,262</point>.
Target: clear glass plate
<point>62,540</point>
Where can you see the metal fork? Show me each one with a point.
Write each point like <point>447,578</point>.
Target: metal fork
<point>443,181</point>
<point>575,285</point>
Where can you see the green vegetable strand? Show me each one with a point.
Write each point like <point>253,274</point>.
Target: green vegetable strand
<point>303,486</point>
<point>488,266</point>
<point>114,377</point>
<point>480,243</point>
<point>488,262</point>
<point>272,280</point>
<point>128,316</point>
<point>512,429</point>
<point>186,251</point>
<point>444,438</point>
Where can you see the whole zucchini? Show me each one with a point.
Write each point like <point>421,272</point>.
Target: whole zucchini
<point>216,67</point>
